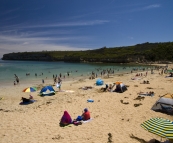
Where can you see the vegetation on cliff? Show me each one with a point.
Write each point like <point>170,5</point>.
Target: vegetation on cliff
<point>146,52</point>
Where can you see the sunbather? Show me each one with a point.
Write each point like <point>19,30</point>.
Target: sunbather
<point>151,93</point>
<point>25,100</point>
<point>86,87</point>
<point>110,87</point>
<point>104,88</point>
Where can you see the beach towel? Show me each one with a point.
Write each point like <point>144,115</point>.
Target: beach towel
<point>70,91</point>
<point>87,120</point>
<point>66,118</point>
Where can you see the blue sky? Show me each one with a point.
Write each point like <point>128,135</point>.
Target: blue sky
<point>37,25</point>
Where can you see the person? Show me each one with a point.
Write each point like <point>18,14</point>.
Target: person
<point>86,115</point>
<point>31,97</point>
<point>54,80</point>
<point>110,87</point>
<point>59,80</point>
<point>58,85</point>
<point>17,78</point>
<point>25,100</point>
<point>103,89</point>
<point>43,81</point>
<point>65,119</point>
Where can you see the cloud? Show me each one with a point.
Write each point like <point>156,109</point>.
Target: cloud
<point>10,48</point>
<point>152,6</point>
<point>23,37</point>
<point>28,43</point>
<point>70,24</point>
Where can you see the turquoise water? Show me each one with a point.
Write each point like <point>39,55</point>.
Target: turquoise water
<point>20,68</point>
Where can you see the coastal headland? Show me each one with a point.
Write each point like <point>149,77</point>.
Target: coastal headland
<point>140,53</point>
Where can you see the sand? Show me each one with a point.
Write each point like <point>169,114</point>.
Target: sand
<point>112,121</point>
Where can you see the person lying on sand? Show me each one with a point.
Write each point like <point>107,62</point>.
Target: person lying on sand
<point>107,88</point>
<point>25,100</point>
<point>86,87</point>
<point>145,82</point>
<point>151,93</point>
<point>104,89</point>
<point>110,88</point>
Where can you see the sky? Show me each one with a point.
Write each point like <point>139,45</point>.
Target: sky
<point>64,25</point>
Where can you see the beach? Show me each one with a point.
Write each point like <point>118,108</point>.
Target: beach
<point>39,122</point>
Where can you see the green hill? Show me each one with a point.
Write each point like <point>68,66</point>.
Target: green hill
<point>145,52</point>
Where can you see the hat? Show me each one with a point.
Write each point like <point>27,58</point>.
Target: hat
<point>85,109</point>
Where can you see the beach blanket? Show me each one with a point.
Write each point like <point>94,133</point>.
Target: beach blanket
<point>26,103</point>
<point>70,125</point>
<point>87,120</point>
<point>70,91</point>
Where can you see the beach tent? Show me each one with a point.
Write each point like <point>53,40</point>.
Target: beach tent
<point>120,87</point>
<point>164,105</point>
<point>168,95</point>
<point>99,82</point>
<point>47,91</point>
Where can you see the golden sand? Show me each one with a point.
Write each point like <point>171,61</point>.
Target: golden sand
<point>113,121</point>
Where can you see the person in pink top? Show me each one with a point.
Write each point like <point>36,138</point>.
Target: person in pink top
<point>66,119</point>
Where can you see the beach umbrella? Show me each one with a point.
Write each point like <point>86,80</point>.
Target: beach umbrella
<point>30,89</point>
<point>159,126</point>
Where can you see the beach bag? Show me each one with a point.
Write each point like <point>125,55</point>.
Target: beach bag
<point>79,118</point>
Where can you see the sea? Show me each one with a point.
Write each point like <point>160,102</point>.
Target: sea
<point>27,70</point>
